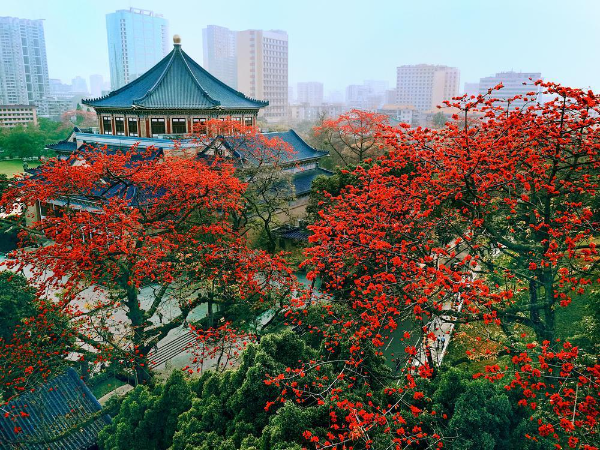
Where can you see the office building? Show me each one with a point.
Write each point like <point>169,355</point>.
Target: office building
<point>23,63</point>
<point>370,95</point>
<point>96,85</point>
<point>13,115</point>
<point>79,86</point>
<point>220,53</point>
<point>310,92</point>
<point>263,70</point>
<point>425,86</point>
<point>137,40</point>
<point>60,89</point>
<point>515,83</point>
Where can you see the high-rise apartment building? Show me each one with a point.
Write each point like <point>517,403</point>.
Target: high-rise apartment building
<point>425,86</point>
<point>310,92</point>
<point>137,40</point>
<point>515,83</point>
<point>23,63</point>
<point>263,69</point>
<point>220,53</point>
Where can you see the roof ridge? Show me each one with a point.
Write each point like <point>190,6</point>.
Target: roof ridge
<point>163,75</point>
<point>157,82</point>
<point>183,56</point>
<point>127,85</point>
<point>238,93</point>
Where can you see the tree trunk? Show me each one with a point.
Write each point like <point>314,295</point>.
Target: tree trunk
<point>136,316</point>
<point>534,312</point>
<point>549,312</point>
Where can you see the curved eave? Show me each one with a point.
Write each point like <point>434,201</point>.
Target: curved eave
<point>135,108</point>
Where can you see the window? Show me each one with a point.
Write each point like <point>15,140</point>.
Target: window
<point>107,125</point>
<point>119,126</point>
<point>248,121</point>
<point>157,126</point>
<point>179,126</point>
<point>132,125</point>
<point>199,125</point>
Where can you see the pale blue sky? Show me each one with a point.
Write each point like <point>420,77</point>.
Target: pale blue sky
<point>345,42</point>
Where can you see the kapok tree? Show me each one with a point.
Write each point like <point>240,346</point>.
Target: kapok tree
<point>260,162</point>
<point>518,200</point>
<point>131,246</point>
<point>353,137</point>
<point>489,220</point>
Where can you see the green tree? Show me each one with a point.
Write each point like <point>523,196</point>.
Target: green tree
<point>147,418</point>
<point>17,302</point>
<point>479,415</point>
<point>439,119</point>
<point>232,404</point>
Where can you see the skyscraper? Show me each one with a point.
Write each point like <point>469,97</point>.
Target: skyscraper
<point>79,86</point>
<point>220,53</point>
<point>310,92</point>
<point>96,85</point>
<point>23,63</point>
<point>137,40</point>
<point>425,86</point>
<point>263,69</point>
<point>515,83</point>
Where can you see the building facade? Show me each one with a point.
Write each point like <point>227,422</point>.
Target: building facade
<point>23,63</point>
<point>471,89</point>
<point>425,86</point>
<point>14,115</point>
<point>515,83</point>
<point>305,112</point>
<point>220,53</point>
<point>400,114</point>
<point>79,86</point>
<point>311,93</point>
<point>137,40</point>
<point>262,66</point>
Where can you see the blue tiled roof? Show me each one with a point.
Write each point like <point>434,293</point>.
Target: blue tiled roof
<point>240,145</point>
<point>176,82</point>
<point>303,180</point>
<point>301,148</point>
<point>63,146</point>
<point>59,409</point>
<point>100,140</point>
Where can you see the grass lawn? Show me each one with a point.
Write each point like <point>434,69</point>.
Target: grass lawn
<point>13,167</point>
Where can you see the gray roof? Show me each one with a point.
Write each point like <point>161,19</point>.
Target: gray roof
<point>176,82</point>
<point>61,414</point>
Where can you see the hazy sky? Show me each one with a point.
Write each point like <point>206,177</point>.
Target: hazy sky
<point>345,42</point>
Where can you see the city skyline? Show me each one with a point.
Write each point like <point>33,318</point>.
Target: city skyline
<point>385,37</point>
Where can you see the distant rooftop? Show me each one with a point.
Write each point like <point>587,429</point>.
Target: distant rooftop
<point>145,12</point>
